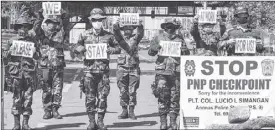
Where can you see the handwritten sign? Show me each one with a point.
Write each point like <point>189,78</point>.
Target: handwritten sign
<point>245,45</point>
<point>96,51</point>
<point>129,19</point>
<point>22,48</point>
<point>207,16</point>
<point>52,8</point>
<point>169,48</point>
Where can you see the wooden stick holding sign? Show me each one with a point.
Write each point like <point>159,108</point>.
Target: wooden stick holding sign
<point>96,51</point>
<point>129,19</point>
<point>170,48</point>
<point>52,8</point>
<point>22,48</point>
<point>207,16</point>
<point>245,45</point>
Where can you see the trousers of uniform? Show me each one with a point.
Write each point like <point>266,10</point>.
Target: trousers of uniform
<point>128,80</point>
<point>52,89</point>
<point>97,89</point>
<point>22,93</point>
<point>169,93</point>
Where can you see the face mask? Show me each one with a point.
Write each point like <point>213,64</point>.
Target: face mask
<point>22,32</point>
<point>128,32</point>
<point>242,20</point>
<point>97,25</point>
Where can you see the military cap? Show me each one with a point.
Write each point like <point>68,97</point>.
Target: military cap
<point>170,20</point>
<point>240,10</point>
<point>52,19</point>
<point>23,20</point>
<point>96,13</point>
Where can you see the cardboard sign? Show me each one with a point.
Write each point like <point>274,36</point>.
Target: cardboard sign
<point>186,22</point>
<point>210,86</point>
<point>22,48</point>
<point>245,45</point>
<point>170,48</point>
<point>129,19</point>
<point>52,8</point>
<point>96,51</point>
<point>207,16</point>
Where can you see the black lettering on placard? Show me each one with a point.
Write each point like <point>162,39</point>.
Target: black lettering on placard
<point>90,51</point>
<point>207,65</point>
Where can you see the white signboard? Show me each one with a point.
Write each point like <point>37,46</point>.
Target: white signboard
<point>96,51</point>
<point>129,19</point>
<point>207,16</point>
<point>170,48</point>
<point>245,45</point>
<point>212,85</point>
<point>186,22</point>
<point>22,48</point>
<point>52,8</point>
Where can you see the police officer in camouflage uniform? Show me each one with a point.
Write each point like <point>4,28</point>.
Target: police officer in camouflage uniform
<point>52,65</point>
<point>22,70</point>
<point>95,83</point>
<point>128,70</point>
<point>242,30</point>
<point>166,86</point>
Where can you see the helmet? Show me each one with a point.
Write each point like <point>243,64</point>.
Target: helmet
<point>23,20</point>
<point>96,13</point>
<point>240,10</point>
<point>171,20</point>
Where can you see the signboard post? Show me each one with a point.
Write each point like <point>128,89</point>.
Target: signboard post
<point>51,8</point>
<point>210,86</point>
<point>169,48</point>
<point>245,45</point>
<point>129,19</point>
<point>96,51</point>
<point>207,16</point>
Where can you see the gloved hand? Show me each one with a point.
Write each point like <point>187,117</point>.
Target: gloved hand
<point>260,48</point>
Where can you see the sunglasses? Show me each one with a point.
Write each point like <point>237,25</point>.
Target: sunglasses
<point>96,20</point>
<point>169,26</point>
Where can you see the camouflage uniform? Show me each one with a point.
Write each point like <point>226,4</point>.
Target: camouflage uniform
<point>21,74</point>
<point>240,31</point>
<point>95,83</point>
<point>128,70</point>
<point>167,80</point>
<point>52,65</point>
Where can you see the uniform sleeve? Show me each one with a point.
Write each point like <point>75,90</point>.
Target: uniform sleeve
<point>195,32</point>
<point>120,40</point>
<point>184,49</point>
<point>80,44</point>
<point>154,47</point>
<point>223,39</point>
<point>114,46</point>
<point>140,33</point>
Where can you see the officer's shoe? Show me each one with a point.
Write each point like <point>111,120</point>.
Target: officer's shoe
<point>25,124</point>
<point>16,122</point>
<point>47,115</point>
<point>163,122</point>
<point>100,123</point>
<point>56,115</point>
<point>132,113</point>
<point>92,125</point>
<point>124,114</point>
<point>173,121</point>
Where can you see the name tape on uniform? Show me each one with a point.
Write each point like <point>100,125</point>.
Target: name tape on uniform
<point>207,16</point>
<point>22,48</point>
<point>245,45</point>
<point>52,8</point>
<point>169,48</point>
<point>129,19</point>
<point>96,51</point>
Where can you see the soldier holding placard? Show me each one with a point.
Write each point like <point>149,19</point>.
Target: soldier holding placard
<point>242,39</point>
<point>22,53</point>
<point>97,45</point>
<point>128,73</point>
<point>169,46</point>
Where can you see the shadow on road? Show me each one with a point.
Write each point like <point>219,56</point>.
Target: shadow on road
<point>59,126</point>
<point>80,114</point>
<point>148,115</point>
<point>132,124</point>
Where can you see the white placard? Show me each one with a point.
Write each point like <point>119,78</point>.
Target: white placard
<point>212,85</point>
<point>96,51</point>
<point>129,19</point>
<point>51,8</point>
<point>245,45</point>
<point>207,16</point>
<point>170,48</point>
<point>22,48</point>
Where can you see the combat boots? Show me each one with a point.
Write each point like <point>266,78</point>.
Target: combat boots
<point>124,113</point>
<point>100,123</point>
<point>131,113</point>
<point>16,122</point>
<point>56,115</point>
<point>92,125</point>
<point>47,115</point>
<point>25,124</point>
<point>173,121</point>
<point>163,122</point>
